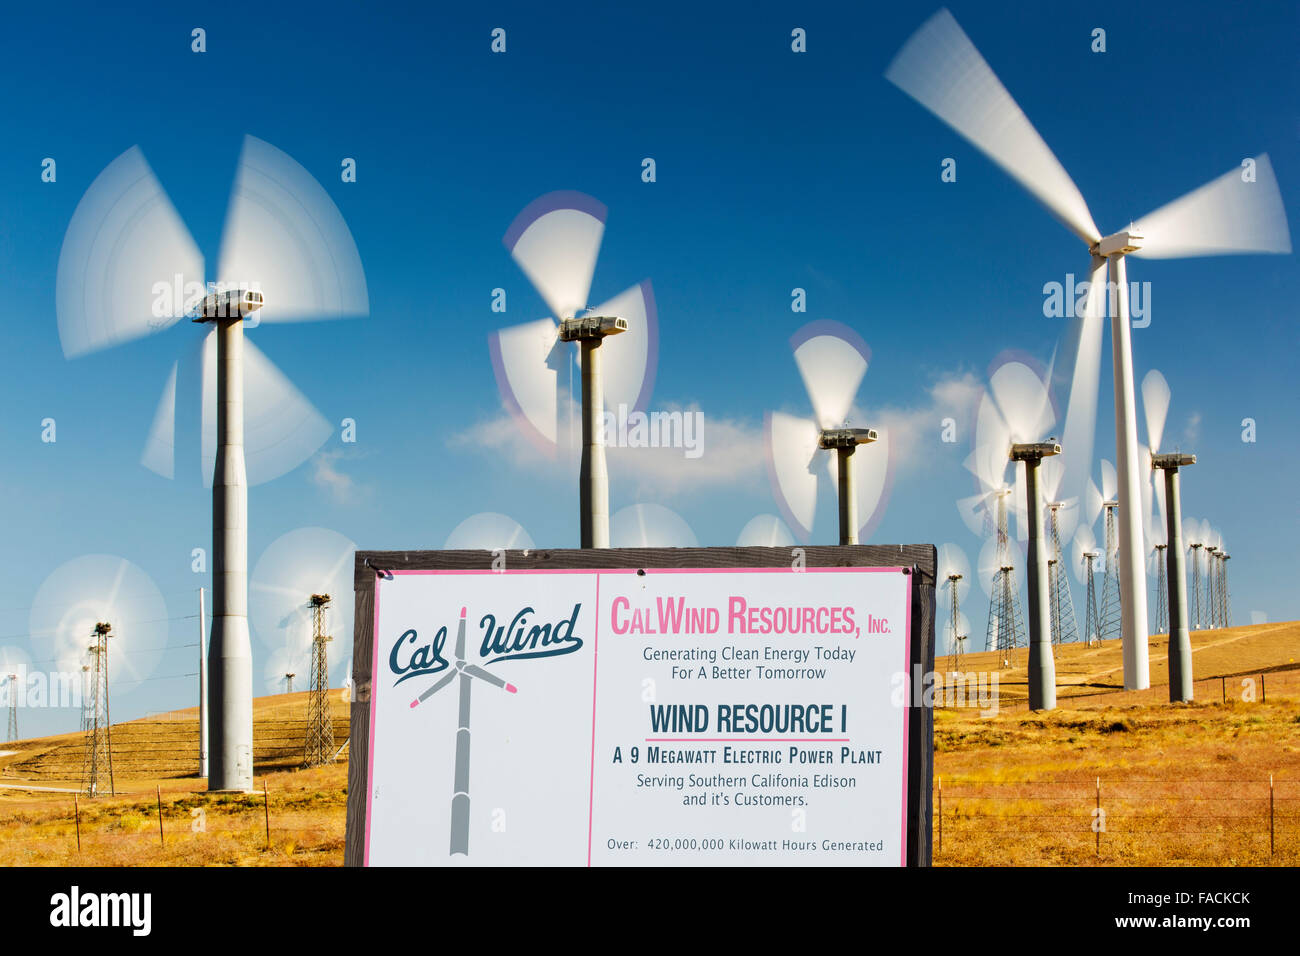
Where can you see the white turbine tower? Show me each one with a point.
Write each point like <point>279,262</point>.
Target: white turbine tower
<point>832,360</point>
<point>1240,212</point>
<point>128,268</point>
<point>555,241</point>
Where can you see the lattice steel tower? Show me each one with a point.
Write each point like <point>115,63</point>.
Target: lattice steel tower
<point>288,681</point>
<point>1064,625</point>
<point>1196,586</point>
<point>958,639</point>
<point>1006,628</point>
<point>13,706</point>
<point>1091,624</point>
<point>320,719</point>
<point>1109,624</point>
<point>97,766</point>
<point>1211,586</point>
<point>1162,592</point>
<point>1224,597</point>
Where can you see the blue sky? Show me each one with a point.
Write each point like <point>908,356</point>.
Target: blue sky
<point>775,170</point>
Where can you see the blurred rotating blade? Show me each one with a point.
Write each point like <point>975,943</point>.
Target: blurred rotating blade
<point>284,660</point>
<point>765,531</point>
<point>1092,502</point>
<point>295,566</point>
<point>1023,400</point>
<point>952,560</point>
<point>160,447</point>
<point>525,360</point>
<point>963,628</point>
<point>282,429</point>
<point>791,453</point>
<point>870,464</point>
<point>555,240</point>
<point>125,261</point>
<point>105,588</point>
<point>992,446</point>
<point>977,513</point>
<point>940,68</point>
<point>1083,374</point>
<point>488,531</point>
<point>649,526</point>
<point>1083,541</point>
<point>1109,480</point>
<point>832,359</point>
<point>1227,216</point>
<point>628,359</point>
<point>987,566</point>
<point>285,237</point>
<point>1155,406</point>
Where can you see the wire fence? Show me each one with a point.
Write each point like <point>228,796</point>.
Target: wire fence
<point>1118,820</point>
<point>1247,688</point>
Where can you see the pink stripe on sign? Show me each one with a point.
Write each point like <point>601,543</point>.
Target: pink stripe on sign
<point>747,740</point>
<point>907,712</point>
<point>591,790</point>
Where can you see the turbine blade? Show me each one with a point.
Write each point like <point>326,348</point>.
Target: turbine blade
<point>442,682</point>
<point>526,376</point>
<point>488,531</point>
<point>285,237</point>
<point>160,447</point>
<point>629,358</point>
<point>791,450</point>
<point>975,513</point>
<point>1024,401</point>
<point>1228,216</point>
<point>1109,481</point>
<point>832,359</point>
<point>650,526</point>
<point>282,429</point>
<point>940,68</point>
<point>126,261</point>
<point>473,670</point>
<point>1083,345</point>
<point>555,240</point>
<point>1155,407</point>
<point>952,560</point>
<point>765,531</point>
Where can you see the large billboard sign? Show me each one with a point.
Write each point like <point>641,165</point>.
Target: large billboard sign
<point>590,708</point>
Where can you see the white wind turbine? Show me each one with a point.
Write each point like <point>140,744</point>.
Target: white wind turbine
<point>941,69</point>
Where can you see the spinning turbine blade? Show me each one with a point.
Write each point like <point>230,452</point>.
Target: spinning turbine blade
<point>628,364</point>
<point>977,513</point>
<point>832,359</point>
<point>160,448</point>
<point>488,531</point>
<point>765,531</point>
<point>295,566</point>
<point>285,237</point>
<point>1155,406</point>
<point>282,429</point>
<point>1082,541</point>
<point>524,362</point>
<point>952,560</point>
<point>791,449</point>
<point>940,68</point>
<point>1023,400</point>
<point>287,661</point>
<point>1109,481</point>
<point>556,240</point>
<point>125,261</point>
<point>1083,344</point>
<point>1227,216</point>
<point>650,526</point>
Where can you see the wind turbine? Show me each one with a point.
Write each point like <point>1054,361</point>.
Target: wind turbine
<point>650,526</point>
<point>765,531</point>
<point>555,240</point>
<point>488,531</point>
<point>284,247</point>
<point>832,359</point>
<point>1236,213</point>
<point>460,787</point>
<point>953,573</point>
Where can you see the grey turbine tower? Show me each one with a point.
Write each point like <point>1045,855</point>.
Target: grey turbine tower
<point>1240,212</point>
<point>593,475</point>
<point>1180,642</point>
<point>1042,668</point>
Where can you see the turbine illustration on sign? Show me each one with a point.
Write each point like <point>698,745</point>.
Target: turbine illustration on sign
<point>1240,212</point>
<point>556,240</point>
<point>460,787</point>
<point>832,359</point>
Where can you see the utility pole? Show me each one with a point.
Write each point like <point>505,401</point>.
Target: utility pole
<point>320,719</point>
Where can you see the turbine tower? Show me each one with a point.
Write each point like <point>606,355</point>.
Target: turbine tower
<point>97,765</point>
<point>1005,628</point>
<point>1211,586</point>
<point>1064,626</point>
<point>288,682</point>
<point>1196,586</point>
<point>1180,641</point>
<point>1223,589</point>
<point>460,787</point>
<point>13,707</point>
<point>1110,625</point>
<point>1042,667</point>
<point>319,748</point>
<point>230,652</point>
<point>941,69</point>
<point>1091,625</point>
<point>1162,597</point>
<point>958,638</point>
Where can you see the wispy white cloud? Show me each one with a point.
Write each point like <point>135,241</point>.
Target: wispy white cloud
<point>326,474</point>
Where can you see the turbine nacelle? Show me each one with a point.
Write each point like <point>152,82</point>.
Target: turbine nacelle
<point>845,437</point>
<point>1034,450</point>
<point>230,304</point>
<point>1119,244</point>
<point>591,327</point>
<point>1174,460</point>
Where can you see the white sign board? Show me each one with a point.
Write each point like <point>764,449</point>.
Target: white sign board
<point>665,717</point>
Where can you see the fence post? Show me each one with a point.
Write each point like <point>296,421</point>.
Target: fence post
<point>266,806</point>
<point>161,840</point>
<point>1270,815</point>
<point>1097,819</point>
<point>1223,682</point>
<point>941,814</point>
<point>76,809</point>
<point>1263,697</point>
